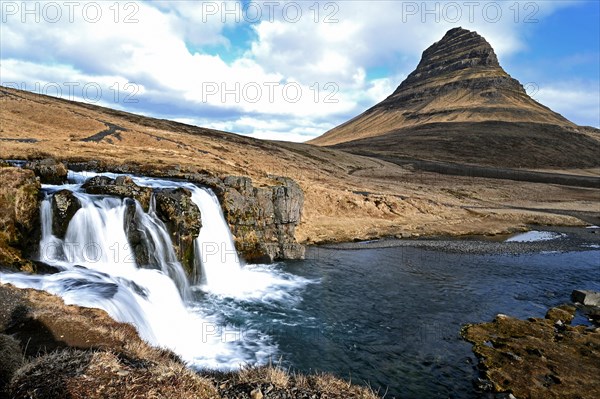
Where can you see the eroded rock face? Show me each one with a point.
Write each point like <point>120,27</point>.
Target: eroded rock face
<point>182,218</point>
<point>539,358</point>
<point>64,206</point>
<point>122,186</point>
<point>19,217</point>
<point>49,171</point>
<point>263,219</point>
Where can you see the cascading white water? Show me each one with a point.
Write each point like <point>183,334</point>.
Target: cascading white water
<point>98,269</point>
<point>214,245</point>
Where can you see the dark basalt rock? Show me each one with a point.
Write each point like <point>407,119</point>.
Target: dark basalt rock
<point>135,234</point>
<point>182,218</point>
<point>586,297</point>
<point>122,186</point>
<point>48,170</point>
<point>64,206</point>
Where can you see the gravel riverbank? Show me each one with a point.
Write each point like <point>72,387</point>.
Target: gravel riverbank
<point>549,239</point>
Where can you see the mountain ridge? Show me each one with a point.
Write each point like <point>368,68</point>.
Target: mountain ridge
<point>459,82</point>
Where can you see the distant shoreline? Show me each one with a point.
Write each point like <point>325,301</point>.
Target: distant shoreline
<point>572,239</point>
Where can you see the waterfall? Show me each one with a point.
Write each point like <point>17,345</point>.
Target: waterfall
<point>98,269</point>
<point>214,246</point>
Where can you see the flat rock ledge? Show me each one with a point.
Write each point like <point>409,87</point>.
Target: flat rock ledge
<point>538,358</point>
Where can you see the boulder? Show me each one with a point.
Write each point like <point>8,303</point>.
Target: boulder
<point>563,314</point>
<point>64,206</point>
<point>288,200</point>
<point>48,170</point>
<point>182,219</point>
<point>587,298</point>
<point>122,186</point>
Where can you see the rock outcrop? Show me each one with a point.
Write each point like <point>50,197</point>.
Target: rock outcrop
<point>183,221</point>
<point>460,105</point>
<point>263,219</point>
<point>64,206</point>
<point>19,217</point>
<point>48,170</point>
<point>538,358</point>
<point>122,186</point>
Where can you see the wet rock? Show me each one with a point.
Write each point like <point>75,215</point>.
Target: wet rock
<point>19,217</point>
<point>182,218</point>
<point>587,298</point>
<point>48,170</point>
<point>538,358</point>
<point>122,186</point>
<point>263,219</point>
<point>64,206</point>
<point>561,314</point>
<point>135,233</point>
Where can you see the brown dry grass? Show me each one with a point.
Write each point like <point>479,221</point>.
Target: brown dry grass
<point>275,382</point>
<point>104,374</point>
<point>347,196</point>
<point>11,359</point>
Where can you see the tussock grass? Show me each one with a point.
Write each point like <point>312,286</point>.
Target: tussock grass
<point>11,359</point>
<point>275,382</point>
<point>94,374</point>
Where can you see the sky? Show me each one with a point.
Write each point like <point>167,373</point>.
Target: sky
<point>285,70</point>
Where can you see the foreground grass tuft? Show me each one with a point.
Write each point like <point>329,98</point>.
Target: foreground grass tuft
<point>271,382</point>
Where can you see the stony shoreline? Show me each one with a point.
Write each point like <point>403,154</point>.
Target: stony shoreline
<point>572,239</point>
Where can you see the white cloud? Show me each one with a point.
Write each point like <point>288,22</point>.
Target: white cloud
<point>324,66</point>
<point>576,101</point>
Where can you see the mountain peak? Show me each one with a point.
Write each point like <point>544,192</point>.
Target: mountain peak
<point>458,80</point>
<point>458,49</point>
